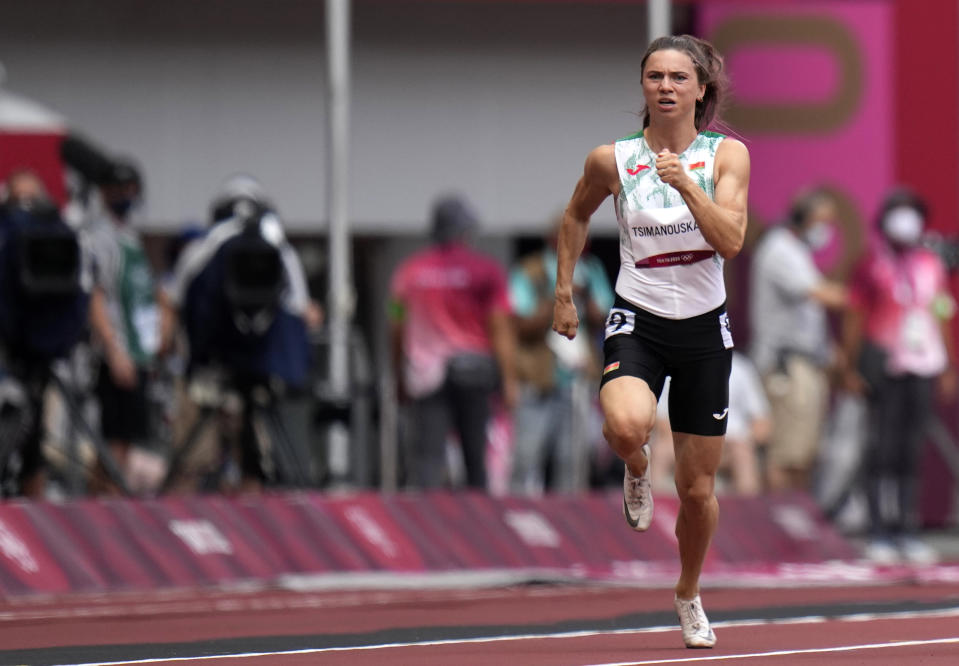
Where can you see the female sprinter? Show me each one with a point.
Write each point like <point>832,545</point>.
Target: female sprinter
<point>680,197</point>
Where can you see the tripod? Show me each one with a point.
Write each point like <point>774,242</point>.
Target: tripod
<point>262,428</point>
<point>26,429</point>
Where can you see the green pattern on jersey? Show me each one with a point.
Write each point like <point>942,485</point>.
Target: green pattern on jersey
<point>645,190</point>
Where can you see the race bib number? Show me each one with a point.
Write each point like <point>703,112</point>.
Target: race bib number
<point>620,321</point>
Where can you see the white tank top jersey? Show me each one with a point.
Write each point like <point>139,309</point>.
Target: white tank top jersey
<point>666,266</point>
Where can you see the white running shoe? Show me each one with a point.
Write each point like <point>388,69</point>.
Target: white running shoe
<point>917,552</point>
<point>638,498</point>
<point>882,551</point>
<point>695,625</point>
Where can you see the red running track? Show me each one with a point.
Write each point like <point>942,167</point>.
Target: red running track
<point>524,625</point>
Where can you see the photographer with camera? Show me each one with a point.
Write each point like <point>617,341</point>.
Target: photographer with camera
<point>240,294</point>
<point>45,283</point>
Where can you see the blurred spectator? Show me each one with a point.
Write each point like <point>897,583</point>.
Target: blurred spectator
<point>558,377</point>
<point>899,332</point>
<point>123,316</point>
<point>453,344</point>
<point>748,429</point>
<point>181,412</point>
<point>240,294</point>
<point>45,284</point>
<point>23,189</point>
<point>791,342</point>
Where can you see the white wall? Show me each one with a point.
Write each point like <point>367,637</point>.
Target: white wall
<point>499,100</point>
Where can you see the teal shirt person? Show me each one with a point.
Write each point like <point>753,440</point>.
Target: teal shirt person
<point>532,282</point>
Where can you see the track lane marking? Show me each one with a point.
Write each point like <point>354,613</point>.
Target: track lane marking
<point>786,653</point>
<point>810,619</point>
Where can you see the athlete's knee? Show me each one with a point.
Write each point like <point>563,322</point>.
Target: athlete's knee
<point>628,428</point>
<point>696,493</point>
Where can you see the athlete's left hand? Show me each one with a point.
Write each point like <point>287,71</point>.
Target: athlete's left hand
<point>670,170</point>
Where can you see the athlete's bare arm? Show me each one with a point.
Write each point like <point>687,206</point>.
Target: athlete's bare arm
<point>599,180</point>
<point>722,220</point>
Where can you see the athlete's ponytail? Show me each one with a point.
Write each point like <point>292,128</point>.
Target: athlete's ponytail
<point>709,73</point>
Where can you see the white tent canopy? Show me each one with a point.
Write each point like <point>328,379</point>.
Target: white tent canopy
<point>19,114</point>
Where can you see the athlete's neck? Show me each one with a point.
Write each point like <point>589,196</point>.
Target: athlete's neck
<point>674,139</point>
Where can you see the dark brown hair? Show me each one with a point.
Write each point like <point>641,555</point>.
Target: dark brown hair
<point>709,72</point>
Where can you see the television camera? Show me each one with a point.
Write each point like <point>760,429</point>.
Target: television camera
<point>45,282</point>
<point>243,340</point>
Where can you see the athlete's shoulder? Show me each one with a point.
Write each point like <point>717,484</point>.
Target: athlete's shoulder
<point>601,161</point>
<point>602,152</point>
<point>732,154</point>
<point>731,146</point>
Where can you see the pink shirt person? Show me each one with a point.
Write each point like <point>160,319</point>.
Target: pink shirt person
<point>446,295</point>
<point>904,295</point>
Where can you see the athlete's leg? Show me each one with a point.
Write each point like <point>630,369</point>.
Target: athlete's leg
<point>743,465</point>
<point>697,459</point>
<point>629,412</point>
<point>663,456</point>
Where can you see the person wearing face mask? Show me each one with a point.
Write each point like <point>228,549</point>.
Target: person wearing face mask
<point>124,317</point>
<point>791,345</point>
<point>899,331</point>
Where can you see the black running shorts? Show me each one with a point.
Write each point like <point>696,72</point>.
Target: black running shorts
<point>695,352</point>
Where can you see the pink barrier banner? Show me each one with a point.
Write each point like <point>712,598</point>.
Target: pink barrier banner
<point>812,99</point>
<point>306,538</point>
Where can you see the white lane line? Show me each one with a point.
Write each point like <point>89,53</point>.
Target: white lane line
<point>811,619</point>
<point>786,653</point>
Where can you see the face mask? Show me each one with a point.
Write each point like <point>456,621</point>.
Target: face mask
<point>25,204</point>
<point>903,225</point>
<point>121,207</point>
<point>818,235</point>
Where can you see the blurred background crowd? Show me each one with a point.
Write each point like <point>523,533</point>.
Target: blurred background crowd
<point>166,296</point>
